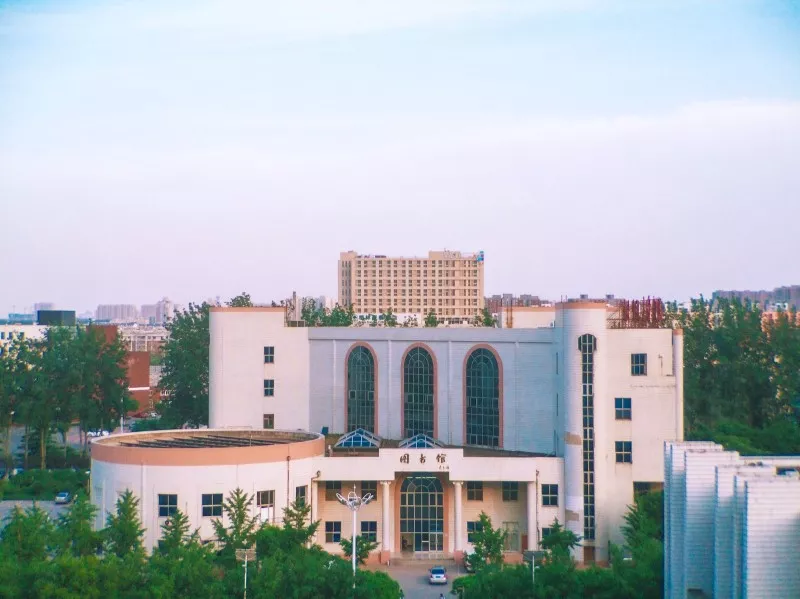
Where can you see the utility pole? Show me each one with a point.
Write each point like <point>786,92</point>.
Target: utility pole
<point>354,503</point>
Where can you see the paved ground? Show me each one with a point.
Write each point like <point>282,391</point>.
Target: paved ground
<point>413,579</point>
<point>48,506</point>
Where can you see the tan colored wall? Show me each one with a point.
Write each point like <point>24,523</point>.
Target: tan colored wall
<point>450,283</point>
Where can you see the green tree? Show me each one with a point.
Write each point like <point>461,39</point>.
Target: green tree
<point>389,318</point>
<point>175,533</point>
<point>297,521</point>
<point>184,377</point>
<point>487,320</point>
<point>123,532</point>
<point>363,548</point>
<point>488,543</point>
<point>28,535</point>
<point>241,530</point>
<point>240,301</point>
<point>430,319</point>
<point>75,531</point>
<point>13,371</point>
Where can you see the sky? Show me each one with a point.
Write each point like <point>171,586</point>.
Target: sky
<point>200,148</point>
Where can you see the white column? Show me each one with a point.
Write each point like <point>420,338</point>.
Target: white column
<point>386,525</point>
<point>459,525</point>
<point>533,521</point>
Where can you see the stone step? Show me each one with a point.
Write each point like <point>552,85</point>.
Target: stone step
<point>447,562</point>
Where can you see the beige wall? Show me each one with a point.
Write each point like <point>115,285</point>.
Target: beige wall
<point>450,283</point>
<point>238,371</point>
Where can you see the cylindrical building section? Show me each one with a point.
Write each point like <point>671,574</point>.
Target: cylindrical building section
<point>582,337</point>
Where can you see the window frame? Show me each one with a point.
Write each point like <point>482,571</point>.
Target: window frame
<point>269,387</point>
<point>165,508</point>
<point>510,491</point>
<point>369,530</point>
<point>476,527</point>
<point>213,505</point>
<point>639,365</point>
<point>474,490</point>
<point>260,495</point>
<point>268,418</point>
<point>301,493</point>
<point>333,531</point>
<point>623,452</point>
<point>621,412</point>
<point>370,486</point>
<point>269,354</point>
<point>332,487</point>
<point>549,493</point>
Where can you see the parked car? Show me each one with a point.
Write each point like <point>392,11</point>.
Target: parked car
<point>63,497</point>
<point>438,575</point>
<point>98,433</point>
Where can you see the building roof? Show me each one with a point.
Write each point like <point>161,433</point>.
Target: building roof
<point>206,438</point>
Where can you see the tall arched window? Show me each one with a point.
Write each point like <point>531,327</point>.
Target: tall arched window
<point>360,390</point>
<point>483,399</point>
<point>418,393</point>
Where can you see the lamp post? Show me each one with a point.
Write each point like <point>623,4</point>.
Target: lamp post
<point>354,503</point>
<point>245,555</point>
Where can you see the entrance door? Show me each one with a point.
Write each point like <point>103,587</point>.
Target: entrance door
<point>422,515</point>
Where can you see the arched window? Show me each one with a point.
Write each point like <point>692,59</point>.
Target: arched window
<point>361,390</point>
<point>483,399</point>
<point>418,393</point>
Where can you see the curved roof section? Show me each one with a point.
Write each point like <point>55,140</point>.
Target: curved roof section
<point>207,447</point>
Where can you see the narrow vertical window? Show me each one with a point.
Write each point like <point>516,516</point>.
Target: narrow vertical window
<point>418,393</point>
<point>587,344</point>
<point>361,390</point>
<point>483,399</point>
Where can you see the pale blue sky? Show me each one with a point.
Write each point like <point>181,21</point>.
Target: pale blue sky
<point>195,148</point>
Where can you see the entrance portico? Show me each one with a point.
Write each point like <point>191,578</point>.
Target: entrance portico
<point>430,498</point>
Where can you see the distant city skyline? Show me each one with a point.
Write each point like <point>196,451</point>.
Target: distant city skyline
<point>206,148</point>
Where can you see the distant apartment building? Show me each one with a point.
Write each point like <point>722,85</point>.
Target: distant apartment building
<point>165,310</point>
<point>116,313</point>
<point>785,297</point>
<point>148,312</point>
<point>43,306</point>
<point>143,338</point>
<point>447,282</point>
<point>505,300</point>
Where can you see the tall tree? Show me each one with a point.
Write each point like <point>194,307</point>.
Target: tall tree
<point>240,301</point>
<point>27,535</point>
<point>13,368</point>
<point>123,532</point>
<point>389,318</point>
<point>75,532</point>
<point>184,377</point>
<point>488,544</point>
<point>363,548</point>
<point>242,527</point>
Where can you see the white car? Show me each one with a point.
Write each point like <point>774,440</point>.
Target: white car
<point>63,497</point>
<point>98,433</point>
<point>438,575</point>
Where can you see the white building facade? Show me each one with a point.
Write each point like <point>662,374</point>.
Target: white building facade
<point>526,424</point>
<point>731,523</point>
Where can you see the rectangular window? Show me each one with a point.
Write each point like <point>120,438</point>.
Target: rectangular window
<point>474,490</point>
<point>645,488</point>
<point>265,499</point>
<point>212,504</point>
<point>269,387</point>
<point>622,408</point>
<point>167,505</point>
<point>269,421</point>
<point>512,536</point>
<point>369,530</point>
<point>332,487</point>
<point>269,355</point>
<point>623,451</point>
<point>510,491</point>
<point>333,532</point>
<point>546,532</point>
<point>550,495</point>
<point>638,364</point>
<point>472,528</point>
<point>370,486</point>
<point>300,494</point>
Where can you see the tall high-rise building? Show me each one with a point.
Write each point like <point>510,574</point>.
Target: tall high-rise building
<point>165,310</point>
<point>117,313</point>
<point>447,282</point>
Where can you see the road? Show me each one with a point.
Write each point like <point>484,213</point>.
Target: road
<point>413,579</point>
<point>48,506</point>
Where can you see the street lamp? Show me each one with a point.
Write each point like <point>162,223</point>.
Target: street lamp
<point>354,503</point>
<point>245,555</point>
